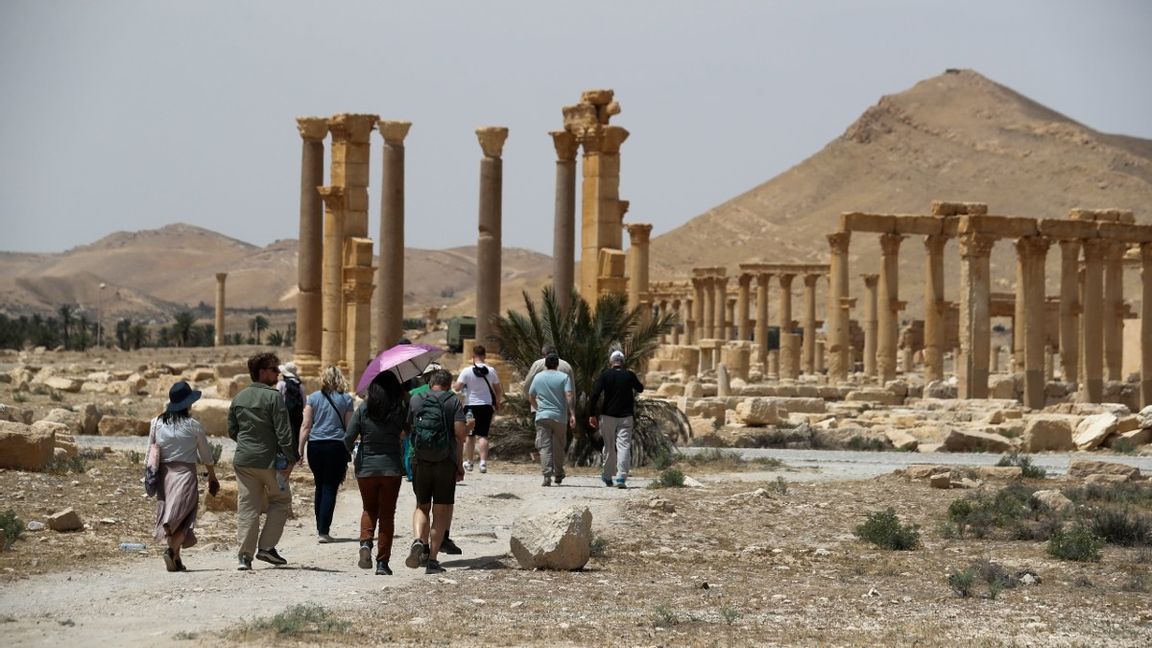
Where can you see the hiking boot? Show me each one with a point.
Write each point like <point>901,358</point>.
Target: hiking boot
<point>559,479</point>
<point>416,554</point>
<point>607,481</point>
<point>324,538</point>
<point>245,563</point>
<point>434,567</point>
<point>365,555</point>
<point>450,547</point>
<point>382,568</point>
<point>483,466</point>
<point>620,484</point>
<point>468,466</point>
<point>270,556</point>
<point>547,481</point>
<point>170,560</point>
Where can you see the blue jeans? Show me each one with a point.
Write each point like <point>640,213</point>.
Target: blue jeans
<point>329,463</point>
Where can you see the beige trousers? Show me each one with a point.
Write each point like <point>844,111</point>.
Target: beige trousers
<point>254,487</point>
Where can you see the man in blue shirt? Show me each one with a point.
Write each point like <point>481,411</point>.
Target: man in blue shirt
<point>551,396</point>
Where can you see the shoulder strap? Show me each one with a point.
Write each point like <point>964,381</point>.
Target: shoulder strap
<point>339,416</point>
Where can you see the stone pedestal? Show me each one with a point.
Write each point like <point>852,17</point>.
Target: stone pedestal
<point>1113,320</point>
<point>1070,310</point>
<point>220,277</point>
<point>390,277</point>
<point>975,314</point>
<point>934,308</point>
<point>888,314</point>
<point>762,320</point>
<point>743,318</point>
<point>839,359</point>
<point>488,244</point>
<point>1091,323</point>
<point>564,223</point>
<point>737,359</point>
<point>310,253</point>
<point>870,324</point>
<point>332,336</point>
<point>808,353</point>
<point>639,235</point>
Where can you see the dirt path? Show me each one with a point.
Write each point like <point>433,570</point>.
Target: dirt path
<point>137,603</point>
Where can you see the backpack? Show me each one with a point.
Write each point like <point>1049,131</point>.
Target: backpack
<point>294,401</point>
<point>431,429</point>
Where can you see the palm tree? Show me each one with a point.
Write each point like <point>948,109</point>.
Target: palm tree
<point>182,327</point>
<point>585,337</point>
<point>258,325</point>
<point>66,311</point>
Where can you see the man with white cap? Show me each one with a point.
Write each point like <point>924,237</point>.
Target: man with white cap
<point>619,387</point>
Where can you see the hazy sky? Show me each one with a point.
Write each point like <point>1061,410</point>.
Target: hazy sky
<point>120,115</point>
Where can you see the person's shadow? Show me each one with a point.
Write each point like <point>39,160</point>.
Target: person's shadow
<point>479,562</point>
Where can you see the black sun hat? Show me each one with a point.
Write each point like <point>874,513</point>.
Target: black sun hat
<point>181,396</point>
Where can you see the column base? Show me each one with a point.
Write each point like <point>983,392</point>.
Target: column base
<point>1092,391</point>
<point>309,365</point>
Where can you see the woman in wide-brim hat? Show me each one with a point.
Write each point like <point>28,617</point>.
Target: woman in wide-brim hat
<point>182,444</point>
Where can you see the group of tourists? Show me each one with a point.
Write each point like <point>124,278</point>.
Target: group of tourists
<point>419,430</point>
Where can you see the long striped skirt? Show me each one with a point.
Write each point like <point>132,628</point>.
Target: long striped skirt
<point>177,501</point>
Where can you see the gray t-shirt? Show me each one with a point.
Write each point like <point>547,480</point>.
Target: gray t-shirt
<point>453,411</point>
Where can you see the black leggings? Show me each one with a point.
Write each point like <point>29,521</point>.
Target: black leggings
<point>329,463</point>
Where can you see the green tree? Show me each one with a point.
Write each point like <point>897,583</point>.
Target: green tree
<point>584,336</point>
<point>181,331</point>
<point>139,336</point>
<point>257,326</point>
<point>66,312</point>
<point>124,333</point>
<point>276,338</point>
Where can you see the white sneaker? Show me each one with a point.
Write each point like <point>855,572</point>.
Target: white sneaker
<point>468,466</point>
<point>324,538</point>
<point>483,466</point>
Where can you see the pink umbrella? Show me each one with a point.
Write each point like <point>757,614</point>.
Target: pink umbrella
<point>406,361</point>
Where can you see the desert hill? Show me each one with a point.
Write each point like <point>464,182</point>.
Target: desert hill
<point>957,136</point>
<point>153,273</point>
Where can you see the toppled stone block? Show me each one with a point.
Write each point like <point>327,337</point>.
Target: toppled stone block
<point>923,471</point>
<point>872,395</point>
<point>901,440</point>
<point>201,374</point>
<point>1094,430</point>
<point>66,520</point>
<point>225,499</point>
<point>123,426</point>
<point>554,540</point>
<point>1053,500</point>
<point>71,421</point>
<point>940,389</point>
<point>1049,432</point>
<point>1135,437</point>
<point>962,440</point>
<point>60,383</point>
<point>23,448</point>
<point>1004,387</point>
<point>940,480</point>
<point>1086,468</point>
<point>230,369</point>
<point>1000,473</point>
<point>90,416</point>
<point>758,412</point>
<point>15,415</point>
<point>213,415</point>
<point>670,390</point>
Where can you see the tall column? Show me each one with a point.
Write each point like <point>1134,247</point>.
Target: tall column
<point>564,224</point>
<point>730,331</point>
<point>358,288</point>
<point>888,304</point>
<point>677,309</point>
<point>220,277</point>
<point>310,252</point>
<point>601,216</point>
<point>808,354</point>
<point>696,331</point>
<point>1070,310</point>
<point>934,308</point>
<point>975,314</point>
<point>1091,331</point>
<point>720,305</point>
<point>332,336</point>
<point>709,305</point>
<point>1033,251</point>
<point>488,246</point>
<point>688,313</point>
<point>1146,324</point>
<point>743,320</point>
<point>839,359</point>
<point>870,282</point>
<point>1114,310</point>
<point>1019,314</point>
<point>390,276</point>
<point>762,280</point>
<point>639,235</point>
<point>788,340</point>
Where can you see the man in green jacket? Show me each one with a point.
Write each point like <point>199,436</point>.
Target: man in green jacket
<point>265,455</point>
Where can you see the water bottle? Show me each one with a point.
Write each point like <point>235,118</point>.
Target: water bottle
<point>469,420</point>
<point>133,546</point>
<point>281,465</point>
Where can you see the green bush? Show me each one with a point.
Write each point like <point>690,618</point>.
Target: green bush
<point>217,450</point>
<point>883,529</point>
<point>980,513</point>
<point>962,581</point>
<point>1124,446</point>
<point>1135,493</point>
<point>307,618</point>
<point>1077,544</point>
<point>1028,470</point>
<point>11,528</point>
<point>597,546</point>
<point>669,478</point>
<point>866,444</point>
<point>1121,527</point>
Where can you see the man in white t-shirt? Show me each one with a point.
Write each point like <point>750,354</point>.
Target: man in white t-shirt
<point>484,393</point>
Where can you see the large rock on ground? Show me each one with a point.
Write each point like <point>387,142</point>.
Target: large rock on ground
<point>962,440</point>
<point>72,421</point>
<point>213,415</point>
<point>23,448</point>
<point>1087,468</point>
<point>1049,432</point>
<point>758,412</point>
<point>901,440</point>
<point>1003,387</point>
<point>874,395</point>
<point>555,540</point>
<point>1094,430</point>
<point>1053,500</point>
<point>60,383</point>
<point>66,520</point>
<point>90,416</point>
<point>123,426</point>
<point>224,500</point>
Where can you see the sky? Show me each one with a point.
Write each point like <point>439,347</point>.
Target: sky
<point>129,115</point>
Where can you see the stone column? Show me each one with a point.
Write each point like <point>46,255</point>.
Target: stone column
<point>761,333</point>
<point>720,304</point>
<point>743,319</point>
<point>601,216</point>
<point>639,235</point>
<point>310,252</point>
<point>564,224</point>
<point>488,246</point>
<point>1033,250</point>
<point>839,358</point>
<point>1070,310</point>
<point>1019,313</point>
<point>808,355</point>
<point>1146,324</point>
<point>358,288</point>
<point>1091,324</point>
<point>888,307</point>
<point>332,336</point>
<point>1114,310</point>
<point>975,315</point>
<point>870,299</point>
<point>934,308</point>
<point>696,331</point>
<point>788,340</point>
<point>220,277</point>
<point>676,308</point>
<point>390,276</point>
<point>688,312</point>
<point>708,332</point>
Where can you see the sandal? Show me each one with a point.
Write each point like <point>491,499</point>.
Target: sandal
<point>170,560</point>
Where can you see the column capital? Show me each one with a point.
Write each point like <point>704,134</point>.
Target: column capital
<point>312,129</point>
<point>934,243</point>
<point>785,279</point>
<point>1032,246</point>
<point>492,140</point>
<point>811,279</point>
<point>870,280</point>
<point>720,282</point>
<point>839,241</point>
<point>890,243</point>
<point>352,127</point>
<point>1116,251</point>
<point>764,279</point>
<point>745,279</point>
<point>975,244</point>
<point>613,138</point>
<point>333,197</point>
<point>1070,247</point>
<point>393,131</point>
<point>1146,252</point>
<point>221,276</point>
<point>1095,249</point>
<point>638,233</point>
<point>566,145</point>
